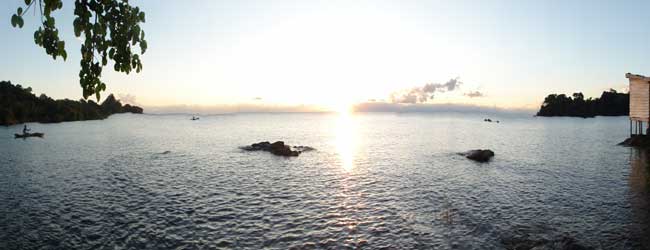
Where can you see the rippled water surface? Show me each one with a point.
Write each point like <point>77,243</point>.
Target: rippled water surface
<point>390,181</point>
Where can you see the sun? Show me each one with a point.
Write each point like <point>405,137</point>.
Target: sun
<point>342,108</point>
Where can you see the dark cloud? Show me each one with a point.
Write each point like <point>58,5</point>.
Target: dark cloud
<point>473,94</point>
<point>424,93</point>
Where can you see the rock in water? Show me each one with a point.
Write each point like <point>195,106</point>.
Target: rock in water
<point>277,148</point>
<point>639,141</point>
<point>479,155</point>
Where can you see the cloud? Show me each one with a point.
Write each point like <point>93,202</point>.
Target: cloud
<point>424,93</point>
<point>437,108</point>
<point>127,99</point>
<point>473,94</point>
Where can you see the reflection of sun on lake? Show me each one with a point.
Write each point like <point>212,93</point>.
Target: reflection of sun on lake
<point>346,139</point>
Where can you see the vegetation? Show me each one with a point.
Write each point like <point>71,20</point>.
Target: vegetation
<point>111,30</point>
<point>19,105</point>
<point>610,103</point>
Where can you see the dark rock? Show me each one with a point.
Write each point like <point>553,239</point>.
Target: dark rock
<point>479,155</point>
<point>303,148</point>
<point>490,120</point>
<point>639,141</point>
<point>277,148</point>
<point>132,109</point>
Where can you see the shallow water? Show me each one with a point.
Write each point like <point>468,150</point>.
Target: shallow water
<point>375,181</point>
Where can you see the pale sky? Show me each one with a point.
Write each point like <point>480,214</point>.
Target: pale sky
<point>332,53</point>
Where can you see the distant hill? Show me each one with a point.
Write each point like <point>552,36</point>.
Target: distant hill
<point>20,105</point>
<point>610,103</point>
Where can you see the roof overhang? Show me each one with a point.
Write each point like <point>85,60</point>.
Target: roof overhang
<point>637,77</point>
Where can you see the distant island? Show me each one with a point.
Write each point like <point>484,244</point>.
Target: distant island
<point>20,105</point>
<point>610,103</point>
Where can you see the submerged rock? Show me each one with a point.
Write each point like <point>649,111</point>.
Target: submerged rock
<point>277,148</point>
<point>640,141</point>
<point>479,155</point>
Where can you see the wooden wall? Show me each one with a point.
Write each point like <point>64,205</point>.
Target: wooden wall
<point>639,100</point>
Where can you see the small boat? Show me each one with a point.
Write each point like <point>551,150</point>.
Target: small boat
<point>195,118</point>
<point>25,135</point>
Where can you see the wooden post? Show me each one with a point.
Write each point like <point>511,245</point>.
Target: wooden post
<point>631,128</point>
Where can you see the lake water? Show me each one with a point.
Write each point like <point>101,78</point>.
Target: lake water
<point>376,181</point>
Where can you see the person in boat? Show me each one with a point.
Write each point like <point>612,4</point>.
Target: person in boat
<point>25,129</point>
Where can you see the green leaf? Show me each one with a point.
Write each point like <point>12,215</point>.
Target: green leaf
<point>27,2</point>
<point>14,23</point>
<point>143,46</point>
<point>77,27</point>
<point>64,55</point>
<point>20,11</point>
<point>49,22</point>
<point>20,21</point>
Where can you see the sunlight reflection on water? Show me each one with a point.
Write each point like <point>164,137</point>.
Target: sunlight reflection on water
<point>346,139</point>
<point>375,181</point>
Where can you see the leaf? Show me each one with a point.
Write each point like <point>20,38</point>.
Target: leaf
<point>77,27</point>
<point>49,22</point>
<point>27,2</point>
<point>20,21</point>
<point>64,55</point>
<point>143,46</point>
<point>20,11</point>
<point>14,23</point>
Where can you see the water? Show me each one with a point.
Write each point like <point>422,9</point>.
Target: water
<point>391,181</point>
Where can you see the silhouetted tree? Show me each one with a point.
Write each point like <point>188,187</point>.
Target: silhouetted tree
<point>19,105</point>
<point>111,30</point>
<point>610,103</point>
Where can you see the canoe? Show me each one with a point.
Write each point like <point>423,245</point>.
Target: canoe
<point>28,135</point>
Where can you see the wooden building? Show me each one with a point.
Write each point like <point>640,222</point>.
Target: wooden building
<point>639,103</point>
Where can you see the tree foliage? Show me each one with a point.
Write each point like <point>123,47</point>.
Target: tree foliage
<point>610,103</point>
<point>19,105</point>
<point>110,30</point>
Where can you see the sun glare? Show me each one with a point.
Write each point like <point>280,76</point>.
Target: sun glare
<point>346,138</point>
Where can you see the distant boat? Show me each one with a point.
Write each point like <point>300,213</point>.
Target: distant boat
<point>25,135</point>
<point>194,118</point>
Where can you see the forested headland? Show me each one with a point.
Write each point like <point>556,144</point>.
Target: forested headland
<point>610,103</point>
<point>20,105</point>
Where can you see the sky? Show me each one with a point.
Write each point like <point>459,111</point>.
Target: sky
<point>331,54</point>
